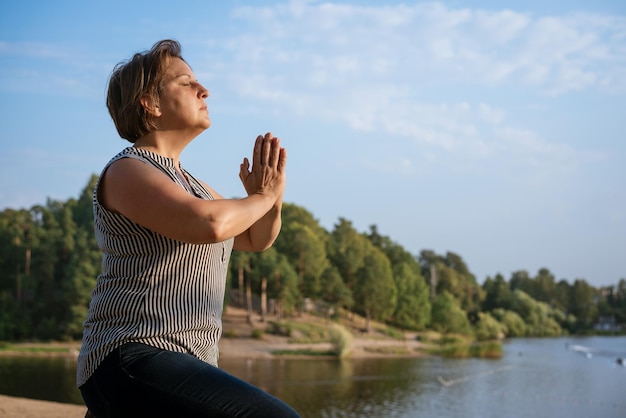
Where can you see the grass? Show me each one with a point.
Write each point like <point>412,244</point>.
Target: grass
<point>393,333</point>
<point>341,339</point>
<point>467,349</point>
<point>388,350</point>
<point>304,352</point>
<point>300,332</point>
<point>34,348</point>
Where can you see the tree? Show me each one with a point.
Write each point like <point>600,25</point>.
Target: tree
<point>430,263</point>
<point>284,287</point>
<point>281,279</point>
<point>447,315</point>
<point>497,293</point>
<point>582,305</point>
<point>544,287</point>
<point>346,251</point>
<point>520,280</point>
<point>413,309</point>
<point>561,295</point>
<point>413,304</point>
<point>488,328</point>
<point>538,316</point>
<point>375,291</point>
<point>308,255</point>
<point>303,241</point>
<point>514,325</point>
<point>334,291</point>
<point>451,274</point>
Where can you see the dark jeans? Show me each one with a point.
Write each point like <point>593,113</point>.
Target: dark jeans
<point>137,380</point>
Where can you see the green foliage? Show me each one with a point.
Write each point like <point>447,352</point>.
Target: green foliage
<point>303,241</point>
<point>346,251</point>
<point>334,291</point>
<point>497,294</point>
<point>375,292</point>
<point>451,274</point>
<point>279,328</point>
<point>341,339</point>
<point>538,316</point>
<point>413,305</point>
<point>460,347</point>
<point>299,332</point>
<point>48,265</point>
<point>448,317</point>
<point>231,333</point>
<point>581,304</point>
<point>514,325</point>
<point>49,262</point>
<point>488,328</point>
<point>486,349</point>
<point>413,309</point>
<point>393,333</point>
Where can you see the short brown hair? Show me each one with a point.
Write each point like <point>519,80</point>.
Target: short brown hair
<point>131,80</point>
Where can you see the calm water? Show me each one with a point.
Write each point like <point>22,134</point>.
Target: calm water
<point>536,378</point>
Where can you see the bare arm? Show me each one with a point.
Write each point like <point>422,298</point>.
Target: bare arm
<point>146,196</point>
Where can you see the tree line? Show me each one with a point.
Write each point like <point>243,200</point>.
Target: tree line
<point>49,262</point>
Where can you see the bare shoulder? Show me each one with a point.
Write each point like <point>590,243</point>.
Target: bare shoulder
<point>125,180</point>
<point>143,194</point>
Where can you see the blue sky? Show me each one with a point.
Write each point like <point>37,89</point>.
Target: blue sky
<point>491,129</point>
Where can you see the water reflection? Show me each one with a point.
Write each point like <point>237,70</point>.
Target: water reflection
<point>535,379</point>
<point>40,377</point>
<point>343,388</point>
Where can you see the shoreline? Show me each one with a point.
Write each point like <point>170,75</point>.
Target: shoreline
<point>237,342</point>
<point>230,348</point>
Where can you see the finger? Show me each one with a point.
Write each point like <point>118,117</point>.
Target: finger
<point>282,160</point>
<point>256,153</point>
<point>268,139</point>
<point>275,152</point>
<point>244,169</point>
<point>266,150</point>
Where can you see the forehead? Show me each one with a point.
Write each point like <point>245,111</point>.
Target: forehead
<point>177,67</point>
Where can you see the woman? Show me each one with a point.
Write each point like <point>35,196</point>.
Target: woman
<point>150,339</point>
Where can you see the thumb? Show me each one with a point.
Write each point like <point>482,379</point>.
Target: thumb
<point>244,169</point>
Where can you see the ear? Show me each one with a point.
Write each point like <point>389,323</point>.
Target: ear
<point>151,105</point>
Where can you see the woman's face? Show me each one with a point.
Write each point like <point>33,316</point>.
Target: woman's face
<point>182,100</point>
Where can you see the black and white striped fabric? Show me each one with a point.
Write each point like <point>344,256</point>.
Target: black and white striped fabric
<point>153,289</point>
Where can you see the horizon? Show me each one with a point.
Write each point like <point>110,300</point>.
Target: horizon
<point>417,254</point>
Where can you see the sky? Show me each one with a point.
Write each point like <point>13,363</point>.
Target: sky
<point>490,129</point>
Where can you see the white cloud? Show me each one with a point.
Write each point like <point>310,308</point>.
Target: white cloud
<point>431,42</point>
<point>366,67</point>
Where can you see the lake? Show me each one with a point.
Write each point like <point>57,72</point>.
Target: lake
<point>536,378</point>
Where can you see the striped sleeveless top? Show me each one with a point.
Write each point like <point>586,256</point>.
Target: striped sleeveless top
<point>153,289</point>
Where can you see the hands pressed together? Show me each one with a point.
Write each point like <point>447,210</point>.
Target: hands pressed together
<point>267,174</point>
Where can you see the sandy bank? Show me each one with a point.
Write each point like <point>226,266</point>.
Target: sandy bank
<point>11,407</point>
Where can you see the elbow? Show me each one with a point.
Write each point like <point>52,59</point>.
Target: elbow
<point>214,232</point>
<point>263,247</point>
<point>208,231</point>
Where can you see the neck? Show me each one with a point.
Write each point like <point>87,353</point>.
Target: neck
<point>168,144</point>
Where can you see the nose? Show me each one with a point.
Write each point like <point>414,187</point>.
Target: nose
<point>203,92</point>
